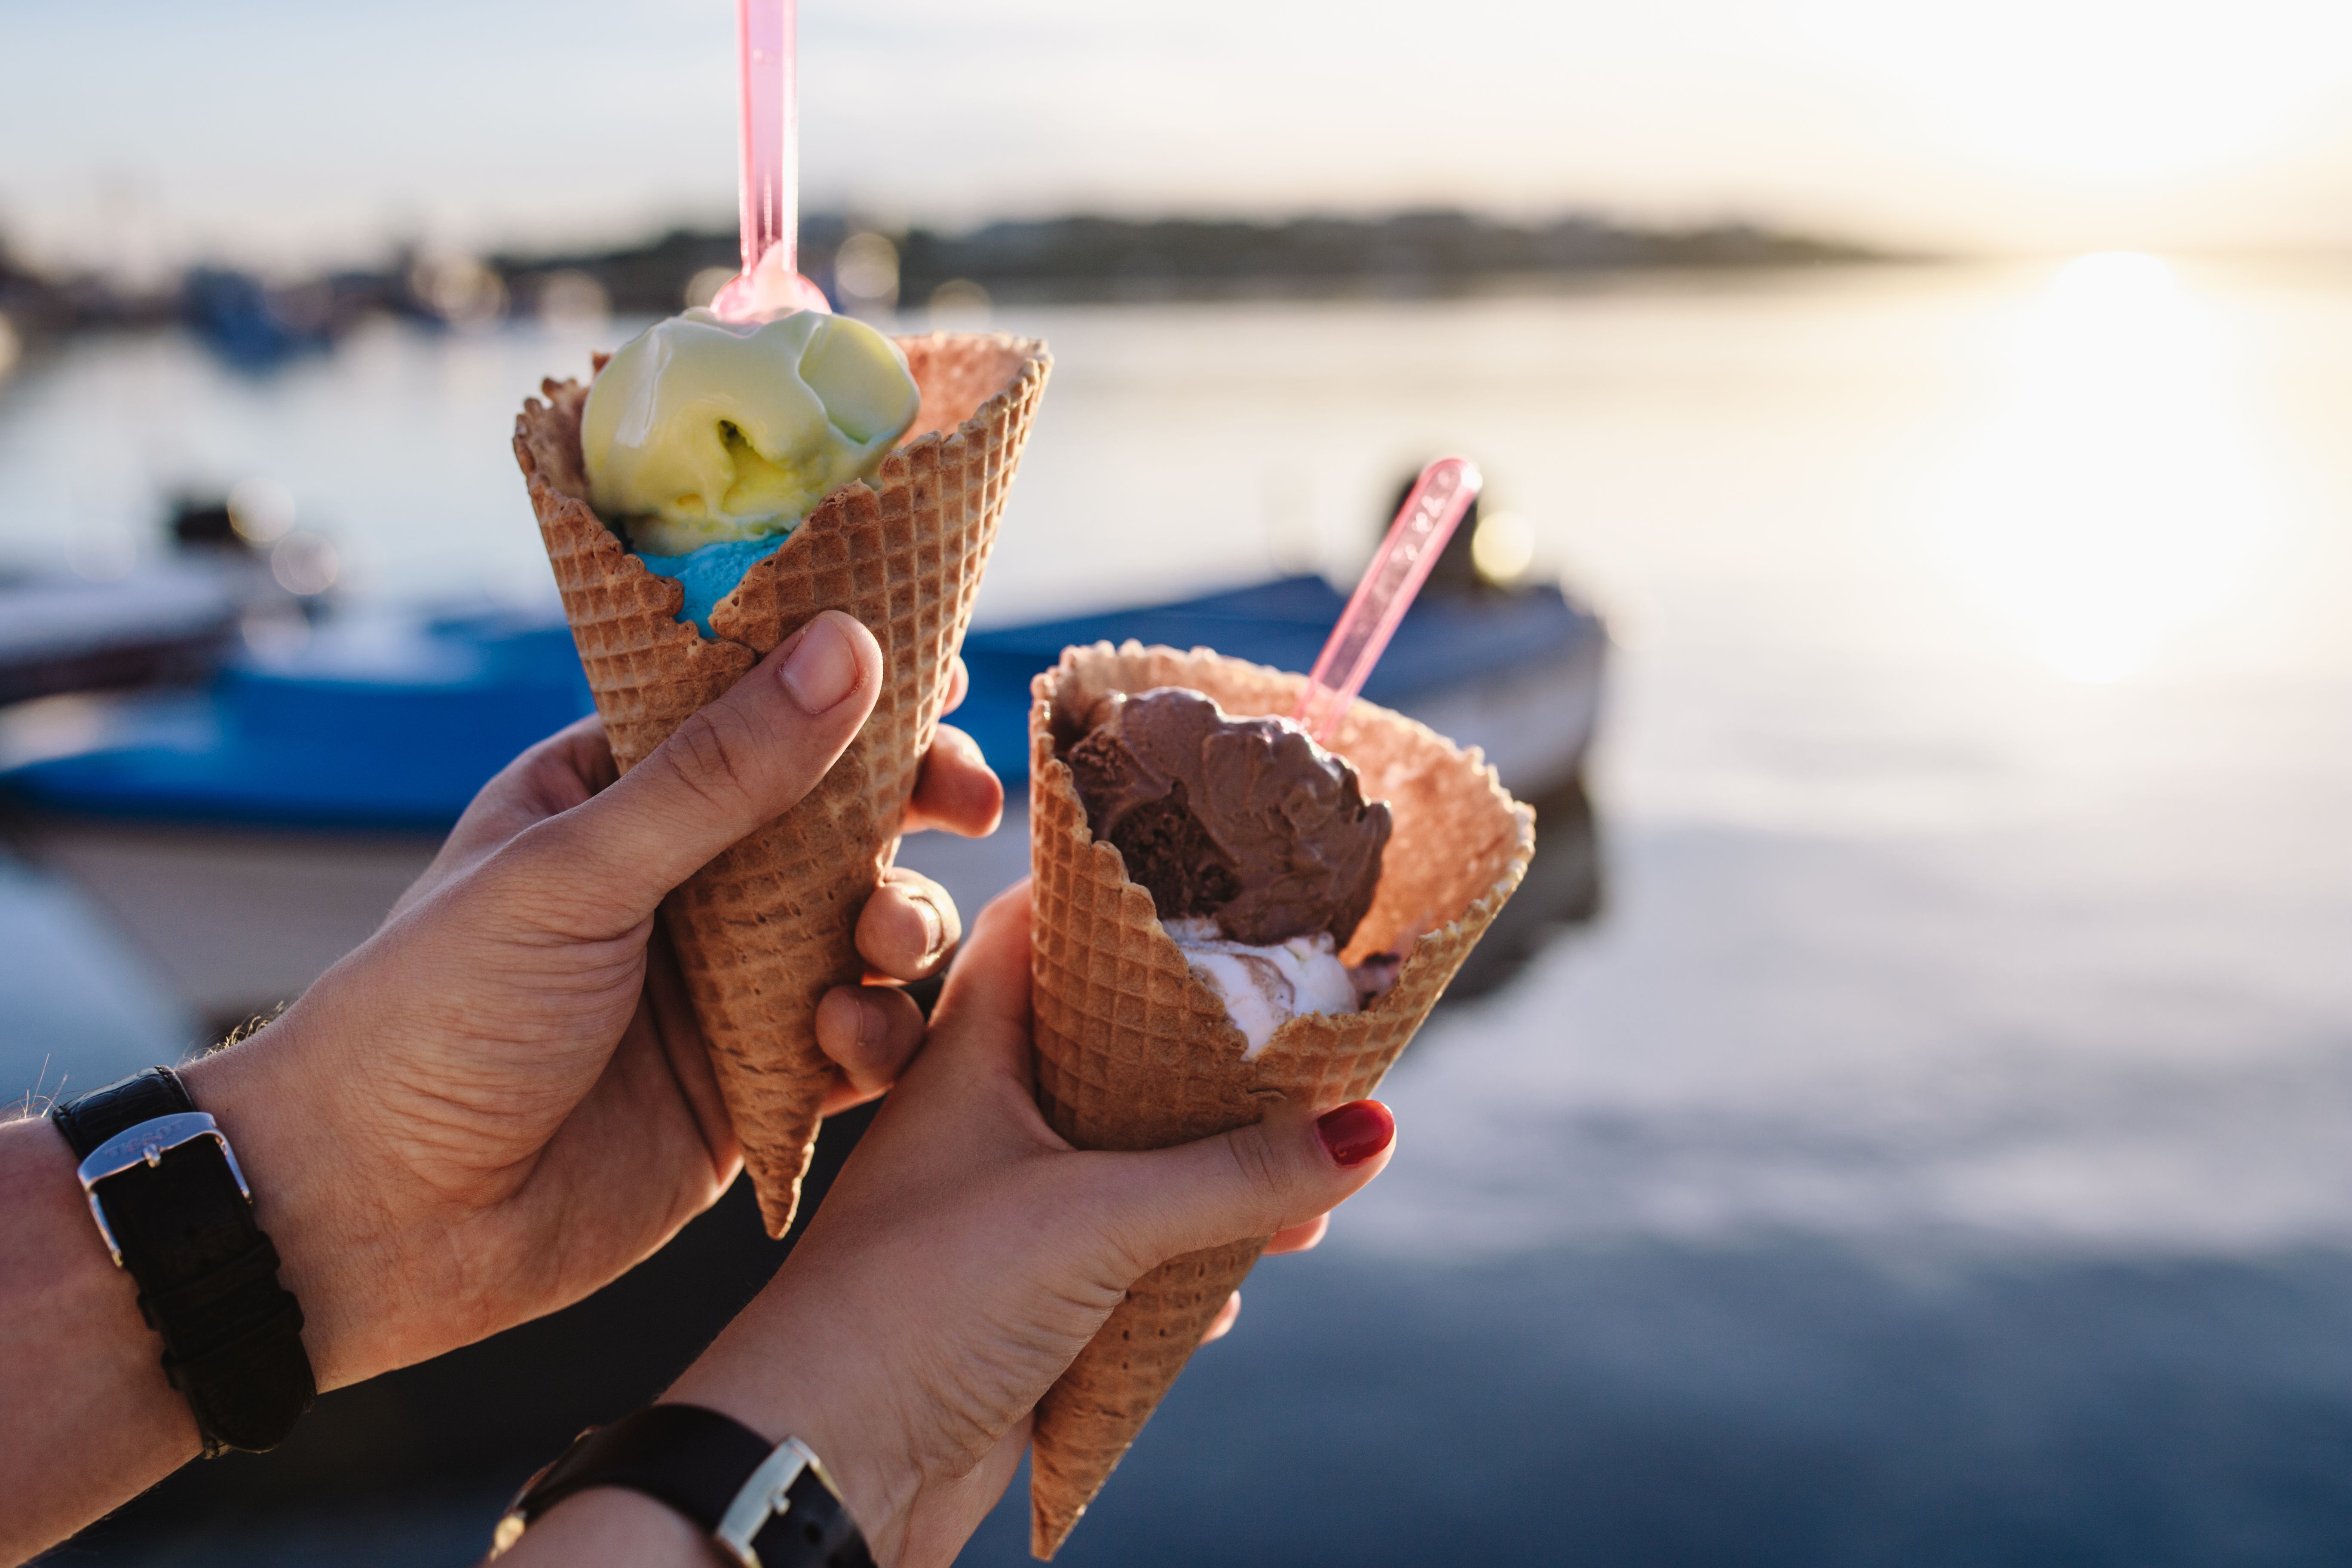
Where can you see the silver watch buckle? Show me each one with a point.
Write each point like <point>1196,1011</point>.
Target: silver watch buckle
<point>146,1144</point>
<point>763,1498</point>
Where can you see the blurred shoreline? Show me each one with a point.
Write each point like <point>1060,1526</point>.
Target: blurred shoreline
<point>259,321</point>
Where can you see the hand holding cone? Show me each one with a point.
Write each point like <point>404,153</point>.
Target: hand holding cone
<point>1134,1051</point>
<point>768,927</point>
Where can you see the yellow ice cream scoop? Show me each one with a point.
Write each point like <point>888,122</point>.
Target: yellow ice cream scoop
<point>702,431</point>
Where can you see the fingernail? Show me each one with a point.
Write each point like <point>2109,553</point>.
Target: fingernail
<point>869,1029</point>
<point>822,669</point>
<point>1356,1132</point>
<point>935,925</point>
<point>872,1022</point>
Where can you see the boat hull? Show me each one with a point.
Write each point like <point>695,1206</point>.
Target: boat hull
<point>1534,724</point>
<point>235,921</point>
<point>247,843</point>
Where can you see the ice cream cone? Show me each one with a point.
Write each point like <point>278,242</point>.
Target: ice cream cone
<point>1134,1051</point>
<point>763,931</point>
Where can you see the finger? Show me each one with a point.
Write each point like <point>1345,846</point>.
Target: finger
<point>909,927</point>
<point>1254,1181</point>
<point>550,778</point>
<point>1223,1323</point>
<point>871,1033</point>
<point>1303,1237</point>
<point>553,776</point>
<point>985,1007</point>
<point>737,762</point>
<point>959,686</point>
<point>956,789</point>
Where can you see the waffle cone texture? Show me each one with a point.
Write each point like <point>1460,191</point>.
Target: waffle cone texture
<point>1135,1051</point>
<point>765,930</point>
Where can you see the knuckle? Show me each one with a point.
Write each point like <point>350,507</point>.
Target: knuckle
<point>1259,1167</point>
<point>715,757</point>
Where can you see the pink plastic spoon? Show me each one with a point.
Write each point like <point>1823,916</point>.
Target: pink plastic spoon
<point>769,169</point>
<point>1423,525</point>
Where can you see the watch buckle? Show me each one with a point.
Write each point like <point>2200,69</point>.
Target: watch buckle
<point>509,1531</point>
<point>146,1144</point>
<point>763,1498</point>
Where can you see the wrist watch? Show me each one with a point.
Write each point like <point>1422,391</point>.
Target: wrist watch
<point>763,1506</point>
<point>175,1213</point>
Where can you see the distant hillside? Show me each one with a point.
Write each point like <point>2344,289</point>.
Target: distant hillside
<point>1097,258</point>
<point>256,322</point>
<point>1102,259</point>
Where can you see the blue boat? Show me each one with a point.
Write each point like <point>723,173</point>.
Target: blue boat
<point>247,834</point>
<point>371,729</point>
<point>1444,648</point>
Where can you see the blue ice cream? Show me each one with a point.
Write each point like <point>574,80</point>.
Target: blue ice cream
<point>708,441</point>
<point>709,575</point>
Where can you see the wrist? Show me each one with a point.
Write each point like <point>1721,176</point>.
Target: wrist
<point>88,1419</point>
<point>610,1524</point>
<point>771,1371</point>
<point>339,1252</point>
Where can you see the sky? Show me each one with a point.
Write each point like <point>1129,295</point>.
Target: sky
<point>143,133</point>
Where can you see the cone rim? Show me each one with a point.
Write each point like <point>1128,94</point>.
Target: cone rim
<point>1050,773</point>
<point>1037,361</point>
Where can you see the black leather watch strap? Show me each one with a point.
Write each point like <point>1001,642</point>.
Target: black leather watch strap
<point>183,1229</point>
<point>697,1463</point>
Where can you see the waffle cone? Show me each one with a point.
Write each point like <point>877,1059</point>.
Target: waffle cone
<point>1134,1051</point>
<point>763,931</point>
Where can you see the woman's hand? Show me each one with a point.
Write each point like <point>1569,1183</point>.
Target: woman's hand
<point>502,1100</point>
<point>962,1258</point>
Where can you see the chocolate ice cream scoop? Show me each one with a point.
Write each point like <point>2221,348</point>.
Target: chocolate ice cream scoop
<point>1246,821</point>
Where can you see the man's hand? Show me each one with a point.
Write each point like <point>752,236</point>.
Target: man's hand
<point>502,1100</point>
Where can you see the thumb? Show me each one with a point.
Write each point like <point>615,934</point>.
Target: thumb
<point>736,763</point>
<point>1251,1182</point>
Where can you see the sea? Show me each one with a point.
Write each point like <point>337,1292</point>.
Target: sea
<point>1937,1150</point>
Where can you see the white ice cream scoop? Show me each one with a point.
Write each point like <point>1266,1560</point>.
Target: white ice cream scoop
<point>1263,985</point>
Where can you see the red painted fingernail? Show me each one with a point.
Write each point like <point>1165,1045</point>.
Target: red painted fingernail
<point>1356,1131</point>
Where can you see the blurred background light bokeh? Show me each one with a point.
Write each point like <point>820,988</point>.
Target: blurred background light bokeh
<point>1917,1131</point>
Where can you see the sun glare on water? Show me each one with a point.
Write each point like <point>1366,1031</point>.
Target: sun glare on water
<point>2117,498</point>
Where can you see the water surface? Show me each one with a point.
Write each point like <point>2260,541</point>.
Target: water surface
<point>1936,1153</point>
